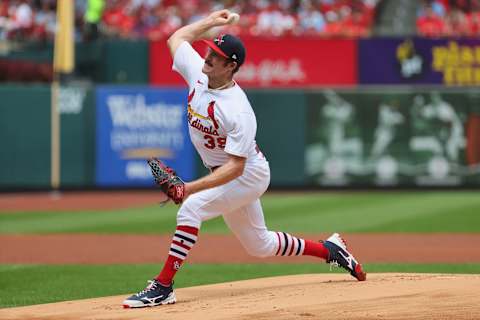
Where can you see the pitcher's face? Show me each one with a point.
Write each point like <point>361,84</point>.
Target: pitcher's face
<point>216,66</point>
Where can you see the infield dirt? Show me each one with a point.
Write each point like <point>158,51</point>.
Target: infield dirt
<point>315,296</point>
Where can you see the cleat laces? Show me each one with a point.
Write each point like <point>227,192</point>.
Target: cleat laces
<point>152,285</point>
<point>334,264</point>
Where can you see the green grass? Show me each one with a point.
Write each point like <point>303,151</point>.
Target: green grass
<point>33,284</point>
<point>308,213</point>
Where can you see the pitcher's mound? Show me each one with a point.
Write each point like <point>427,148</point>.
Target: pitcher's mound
<point>316,296</point>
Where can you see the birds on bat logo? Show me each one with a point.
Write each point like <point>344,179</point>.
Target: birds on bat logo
<point>176,265</point>
<point>219,40</point>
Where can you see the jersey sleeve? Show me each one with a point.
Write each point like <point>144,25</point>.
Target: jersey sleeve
<point>188,63</point>
<point>241,137</point>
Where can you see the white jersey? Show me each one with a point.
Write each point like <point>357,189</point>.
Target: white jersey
<point>221,122</point>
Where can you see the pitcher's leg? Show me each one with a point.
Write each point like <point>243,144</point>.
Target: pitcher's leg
<point>197,208</point>
<point>248,225</point>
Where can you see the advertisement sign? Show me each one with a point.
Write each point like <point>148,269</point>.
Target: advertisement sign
<point>451,62</point>
<point>279,62</point>
<point>135,123</point>
<point>422,138</point>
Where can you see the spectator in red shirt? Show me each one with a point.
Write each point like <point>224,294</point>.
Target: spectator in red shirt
<point>356,25</point>
<point>430,25</point>
<point>474,18</point>
<point>457,24</point>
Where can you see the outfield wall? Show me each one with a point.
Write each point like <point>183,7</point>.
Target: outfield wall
<point>25,126</point>
<point>313,138</point>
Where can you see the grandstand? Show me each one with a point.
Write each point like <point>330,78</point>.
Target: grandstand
<point>153,19</point>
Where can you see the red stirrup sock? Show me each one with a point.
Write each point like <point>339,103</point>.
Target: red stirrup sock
<point>316,249</point>
<point>183,240</point>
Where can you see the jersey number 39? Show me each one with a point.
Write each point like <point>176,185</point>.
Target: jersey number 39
<point>212,142</point>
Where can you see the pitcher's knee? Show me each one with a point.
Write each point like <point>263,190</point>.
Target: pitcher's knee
<point>258,253</point>
<point>262,247</point>
<point>187,217</point>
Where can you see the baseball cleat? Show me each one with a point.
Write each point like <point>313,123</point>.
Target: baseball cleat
<point>339,256</point>
<point>153,295</point>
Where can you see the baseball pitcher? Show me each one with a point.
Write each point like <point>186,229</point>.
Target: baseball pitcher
<point>222,128</point>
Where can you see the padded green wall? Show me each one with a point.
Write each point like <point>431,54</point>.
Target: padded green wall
<point>25,137</point>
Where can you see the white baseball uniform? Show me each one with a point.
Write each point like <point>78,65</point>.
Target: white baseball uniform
<point>222,122</point>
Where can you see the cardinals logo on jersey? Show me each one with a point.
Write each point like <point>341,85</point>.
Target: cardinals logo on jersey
<point>195,119</point>
<point>211,113</point>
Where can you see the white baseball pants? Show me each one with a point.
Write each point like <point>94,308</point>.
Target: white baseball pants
<point>238,202</point>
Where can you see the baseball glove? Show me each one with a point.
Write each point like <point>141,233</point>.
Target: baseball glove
<point>168,180</point>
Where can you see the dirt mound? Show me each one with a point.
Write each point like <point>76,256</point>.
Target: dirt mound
<point>333,296</point>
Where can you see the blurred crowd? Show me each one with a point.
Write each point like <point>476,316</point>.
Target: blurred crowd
<point>32,19</point>
<point>154,19</point>
<point>459,18</point>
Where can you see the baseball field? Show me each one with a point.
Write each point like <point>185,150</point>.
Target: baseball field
<point>78,255</point>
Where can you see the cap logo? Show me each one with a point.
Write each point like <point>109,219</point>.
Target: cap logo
<point>234,56</point>
<point>219,40</point>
